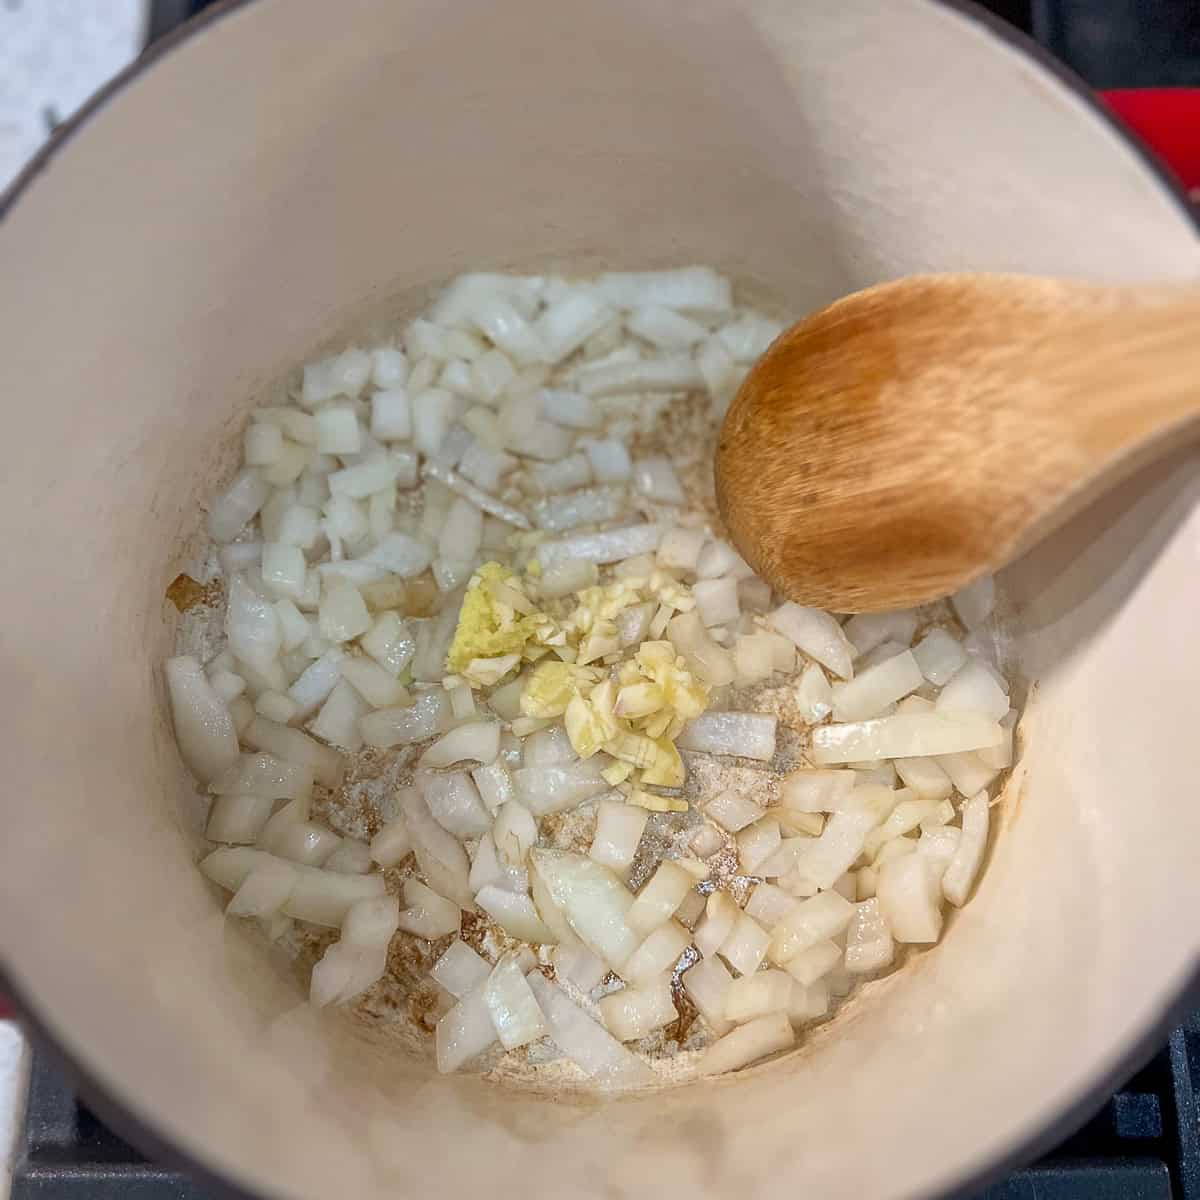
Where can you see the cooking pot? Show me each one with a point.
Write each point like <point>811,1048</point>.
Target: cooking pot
<point>290,171</point>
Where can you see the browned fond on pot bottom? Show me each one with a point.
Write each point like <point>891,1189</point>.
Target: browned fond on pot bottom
<point>302,162</point>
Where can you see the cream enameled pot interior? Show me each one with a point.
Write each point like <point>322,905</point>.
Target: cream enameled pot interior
<point>298,168</point>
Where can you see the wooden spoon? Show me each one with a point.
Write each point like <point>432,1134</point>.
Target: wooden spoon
<point>911,437</point>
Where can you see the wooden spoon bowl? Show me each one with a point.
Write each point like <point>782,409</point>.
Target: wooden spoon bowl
<point>911,437</point>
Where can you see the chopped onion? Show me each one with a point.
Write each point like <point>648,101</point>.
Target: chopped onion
<point>1000,756</point>
<point>296,747</point>
<point>619,829</point>
<point>748,1043</point>
<point>819,918</point>
<point>814,696</point>
<point>574,962</point>
<point>667,374</point>
<point>758,994</point>
<point>204,729</point>
<point>818,635</point>
<point>478,741</point>
<point>427,716</point>
<point>872,690</point>
<point>316,681</point>
<point>454,803</point>
<point>732,812</point>
<point>608,460</point>
<point>238,818</point>
<point>655,478</point>
<point>680,548</point>
<point>264,891</point>
<point>756,843</point>
<point>753,654</point>
<point>477,496</point>
<point>809,1003</point>
<point>565,577</point>
<point>968,772</point>
<point>611,546</point>
<point>571,409</point>
<point>696,290</point>
<point>973,690</point>
<point>815,791</point>
<point>939,845</point>
<point>514,832</point>
<point>975,602</point>
<point>964,866</point>
<point>586,1042</point>
<point>237,505</point>
<point>904,735</point>
<point>634,1012</point>
<point>440,856</point>
<point>748,735</point>
<point>925,777</point>
<point>304,842</point>
<point>657,954</point>
<point>708,661</point>
<point>489,870</point>
<point>569,510</point>
<point>866,631</point>
<point>593,900</point>
<point>377,686</point>
<point>746,946</point>
<point>707,985</point>
<point>545,790</point>
<point>910,899</point>
<point>720,916</point>
<point>427,914</point>
<point>465,1031</point>
<point>748,337</point>
<point>574,471</point>
<point>814,962</point>
<point>665,329</point>
<point>833,853</point>
<point>515,1013</point>
<point>659,898</point>
<point>494,784</point>
<point>460,969</point>
<point>869,944</point>
<point>350,858</point>
<point>939,656</point>
<point>770,905</point>
<point>717,603</point>
<point>337,722</point>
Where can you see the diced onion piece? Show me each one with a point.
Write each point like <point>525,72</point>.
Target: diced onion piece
<point>264,891</point>
<point>707,985</point>
<point>634,1012</point>
<point>680,548</point>
<point>819,918</point>
<point>593,900</point>
<point>494,784</point>
<point>390,643</point>
<point>427,914</point>
<point>304,842</point>
<point>865,631</point>
<point>337,722</point>
<point>297,747</point>
<point>748,735</point>
<point>973,690</point>
<point>237,505</point>
<point>585,1041</point>
<point>314,684</point>
<point>350,858</point>
<point>814,696</point>
<point>252,626</point>
<point>440,856</point>
<point>817,634</point>
<point>566,577</point>
<point>939,845</point>
<point>910,899</point>
<point>465,1031</point>
<point>343,612</point>
<point>832,854</point>
<point>904,735</point>
<point>608,460</point>
<point>814,962</point>
<point>720,915</point>
<point>964,866</point>
<point>717,603</point>
<point>659,898</point>
<point>753,654</point>
<point>398,554</point>
<point>428,715</point>
<point>514,1011</point>
<point>545,790</point>
<point>344,972</point>
<point>732,812</point>
<point>756,843</point>
<point>619,829</point>
<point>204,729</point>
<point>869,943</point>
<point>460,969</point>
<point>667,374</point>
<point>925,777</point>
<point>815,791</point>
<point>748,337</point>
<point>237,818</point>
<point>514,832</point>
<point>569,510</point>
<point>1001,755</point>
<point>611,546</point>
<point>697,290</point>
<point>747,1044</point>
<point>342,374</point>
<point>571,409</point>
<point>939,656</point>
<point>657,954</point>
<point>756,995</point>
<point>708,661</point>
<point>574,471</point>
<point>746,946</point>
<point>574,962</point>
<point>478,741</point>
<point>655,478</point>
<point>377,686</point>
<point>391,415</point>
<point>454,802</point>
<point>872,690</point>
<point>968,772</point>
<point>770,905</point>
<point>974,603</point>
<point>809,1003</point>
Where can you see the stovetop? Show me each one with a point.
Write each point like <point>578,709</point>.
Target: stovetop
<point>1144,1144</point>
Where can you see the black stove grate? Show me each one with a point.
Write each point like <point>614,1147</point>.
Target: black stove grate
<point>1143,1145</point>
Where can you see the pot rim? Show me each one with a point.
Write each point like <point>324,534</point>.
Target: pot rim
<point>103,1100</point>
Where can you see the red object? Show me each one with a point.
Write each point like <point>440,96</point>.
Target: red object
<point>1168,121</point>
<point>5,1011</point>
